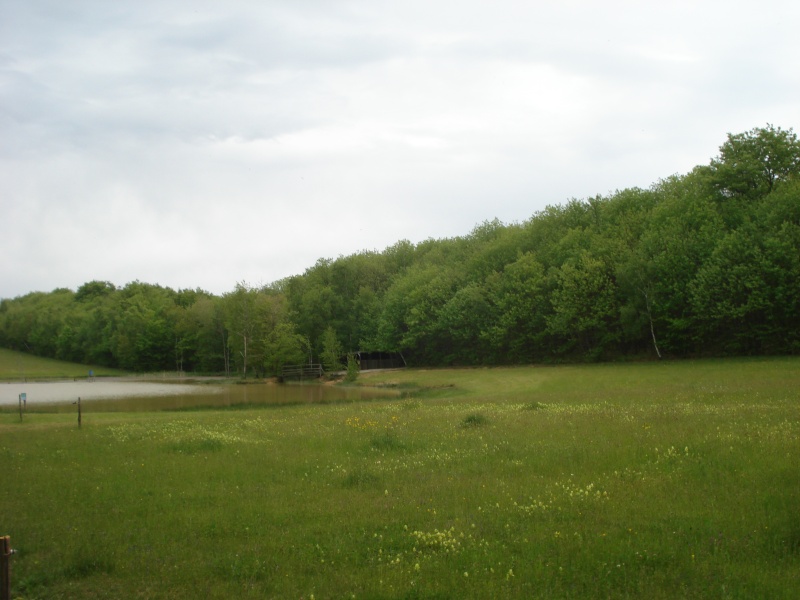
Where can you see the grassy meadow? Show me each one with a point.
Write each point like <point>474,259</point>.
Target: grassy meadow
<point>667,480</point>
<point>18,366</point>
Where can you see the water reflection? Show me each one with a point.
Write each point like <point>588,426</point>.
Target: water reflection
<point>225,396</point>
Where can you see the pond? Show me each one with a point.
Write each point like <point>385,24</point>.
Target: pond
<point>127,395</point>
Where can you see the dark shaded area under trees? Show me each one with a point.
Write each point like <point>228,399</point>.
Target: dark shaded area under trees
<point>701,264</point>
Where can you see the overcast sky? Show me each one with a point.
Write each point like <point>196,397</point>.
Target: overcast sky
<point>203,143</point>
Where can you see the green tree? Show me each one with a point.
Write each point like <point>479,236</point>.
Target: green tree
<point>251,314</point>
<point>94,329</point>
<point>752,163</point>
<point>410,319</point>
<point>466,320</point>
<point>353,368</point>
<point>732,294</point>
<point>204,335</point>
<point>331,350</point>
<point>313,300</point>
<point>283,346</point>
<point>748,290</point>
<point>585,310</point>
<point>143,336</point>
<point>241,320</point>
<point>94,289</point>
<point>521,297</point>
<point>623,219</point>
<point>682,232</point>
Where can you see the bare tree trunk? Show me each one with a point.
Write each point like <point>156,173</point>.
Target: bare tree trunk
<point>650,317</point>
<point>226,355</point>
<point>178,356</point>
<point>244,357</point>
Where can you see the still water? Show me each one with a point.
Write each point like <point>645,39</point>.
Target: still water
<point>113,396</point>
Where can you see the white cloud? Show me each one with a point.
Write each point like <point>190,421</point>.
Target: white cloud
<point>200,144</point>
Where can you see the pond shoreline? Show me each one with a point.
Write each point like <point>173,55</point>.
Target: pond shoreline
<point>140,394</point>
<point>69,390</point>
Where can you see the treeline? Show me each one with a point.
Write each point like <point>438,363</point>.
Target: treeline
<point>144,327</point>
<point>701,264</point>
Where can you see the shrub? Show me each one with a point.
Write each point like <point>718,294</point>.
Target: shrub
<point>353,368</point>
<point>474,420</point>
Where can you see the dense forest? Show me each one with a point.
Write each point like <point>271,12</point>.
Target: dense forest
<point>701,264</point>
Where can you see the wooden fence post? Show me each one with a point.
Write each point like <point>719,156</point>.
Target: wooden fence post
<point>79,411</point>
<point>5,571</point>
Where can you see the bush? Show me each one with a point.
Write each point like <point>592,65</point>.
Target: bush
<point>353,368</point>
<point>474,420</point>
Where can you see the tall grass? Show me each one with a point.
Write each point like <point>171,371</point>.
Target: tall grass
<point>628,481</point>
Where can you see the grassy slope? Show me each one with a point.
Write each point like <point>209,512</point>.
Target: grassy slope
<point>16,366</point>
<point>653,481</point>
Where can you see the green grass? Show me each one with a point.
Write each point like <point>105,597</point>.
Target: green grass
<point>669,480</point>
<point>18,366</point>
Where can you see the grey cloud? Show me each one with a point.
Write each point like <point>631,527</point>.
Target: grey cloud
<point>194,142</point>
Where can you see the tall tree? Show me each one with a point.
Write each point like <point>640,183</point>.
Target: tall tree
<point>332,350</point>
<point>683,230</point>
<point>585,310</point>
<point>520,295</point>
<point>284,346</point>
<point>752,163</point>
<point>144,330</point>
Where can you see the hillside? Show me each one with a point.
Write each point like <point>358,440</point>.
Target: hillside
<point>701,264</point>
